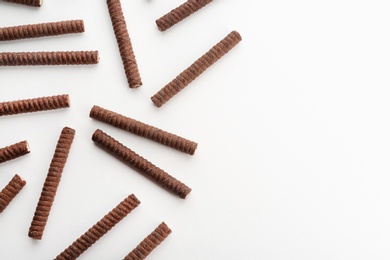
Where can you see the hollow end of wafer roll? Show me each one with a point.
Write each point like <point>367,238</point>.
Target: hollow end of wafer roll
<point>156,102</point>
<point>27,146</point>
<point>20,179</point>
<point>187,194</point>
<point>237,34</point>
<point>40,3</point>
<point>67,100</point>
<point>97,57</point>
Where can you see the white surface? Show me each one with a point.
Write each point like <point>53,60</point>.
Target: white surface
<point>292,127</point>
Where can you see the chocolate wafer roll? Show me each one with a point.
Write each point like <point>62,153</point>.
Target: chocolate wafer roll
<point>41,30</point>
<point>36,3</point>
<point>180,13</point>
<point>136,161</point>
<point>52,181</point>
<point>14,151</point>
<point>149,243</point>
<point>10,191</point>
<point>124,43</point>
<point>34,105</point>
<point>99,229</point>
<point>197,68</point>
<point>143,130</point>
<point>49,58</point>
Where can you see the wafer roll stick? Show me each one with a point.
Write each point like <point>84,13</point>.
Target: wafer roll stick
<point>197,68</point>
<point>141,129</point>
<point>99,229</point>
<point>41,30</point>
<point>49,58</point>
<point>124,43</point>
<point>181,12</point>
<point>136,161</point>
<point>10,191</point>
<point>14,151</point>
<point>149,243</point>
<point>36,3</point>
<point>52,181</point>
<point>34,105</point>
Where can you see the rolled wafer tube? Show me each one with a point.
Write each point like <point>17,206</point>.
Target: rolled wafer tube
<point>36,3</point>
<point>52,181</point>
<point>143,130</point>
<point>14,151</point>
<point>10,191</point>
<point>136,161</point>
<point>197,68</point>
<point>49,58</point>
<point>124,43</point>
<point>41,30</point>
<point>34,105</point>
<point>181,12</point>
<point>149,243</point>
<point>99,229</point>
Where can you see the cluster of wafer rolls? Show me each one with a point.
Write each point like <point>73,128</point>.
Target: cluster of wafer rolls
<point>102,140</point>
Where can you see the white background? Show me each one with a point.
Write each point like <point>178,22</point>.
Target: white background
<point>292,127</point>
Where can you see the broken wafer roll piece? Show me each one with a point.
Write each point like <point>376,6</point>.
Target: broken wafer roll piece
<point>141,129</point>
<point>124,43</point>
<point>14,151</point>
<point>180,13</point>
<point>99,229</point>
<point>34,105</point>
<point>35,3</point>
<point>196,69</point>
<point>52,181</point>
<point>10,191</point>
<point>149,243</point>
<point>139,163</point>
<point>49,58</point>
<point>41,30</point>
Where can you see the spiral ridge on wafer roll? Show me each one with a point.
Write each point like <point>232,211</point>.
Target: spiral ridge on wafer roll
<point>180,13</point>
<point>99,229</point>
<point>41,30</point>
<point>149,243</point>
<point>49,58</point>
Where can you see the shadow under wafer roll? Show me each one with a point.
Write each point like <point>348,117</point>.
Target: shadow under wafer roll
<point>34,105</point>
<point>41,30</point>
<point>49,58</point>
<point>35,3</point>
<point>149,243</point>
<point>10,191</point>
<point>141,129</point>
<point>14,151</point>
<point>139,163</point>
<point>197,68</point>
<point>180,13</point>
<point>99,229</point>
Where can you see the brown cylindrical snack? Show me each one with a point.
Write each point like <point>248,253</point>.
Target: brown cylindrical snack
<point>34,105</point>
<point>149,243</point>
<point>49,58</point>
<point>99,229</point>
<point>41,30</point>
<point>124,43</point>
<point>181,12</point>
<point>197,68</point>
<point>36,3</point>
<point>52,181</point>
<point>144,130</point>
<point>136,161</point>
<point>10,191</point>
<point>14,151</point>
